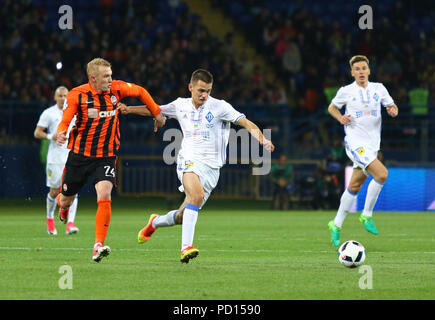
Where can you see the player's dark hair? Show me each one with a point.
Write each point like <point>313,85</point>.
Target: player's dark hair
<point>202,75</point>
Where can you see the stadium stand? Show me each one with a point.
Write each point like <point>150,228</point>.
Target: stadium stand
<point>159,43</point>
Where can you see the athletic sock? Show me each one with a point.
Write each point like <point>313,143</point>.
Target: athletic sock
<point>166,220</point>
<point>373,191</point>
<point>102,220</point>
<point>346,203</point>
<point>51,206</point>
<point>73,209</point>
<point>190,216</point>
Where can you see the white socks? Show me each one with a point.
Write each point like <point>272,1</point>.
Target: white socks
<point>190,216</point>
<point>347,199</point>
<point>373,191</point>
<point>51,206</point>
<point>73,209</point>
<point>346,203</point>
<point>166,220</point>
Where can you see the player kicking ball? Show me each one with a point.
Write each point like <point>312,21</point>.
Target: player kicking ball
<point>205,122</point>
<point>362,127</point>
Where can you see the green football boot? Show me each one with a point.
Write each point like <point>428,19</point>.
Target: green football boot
<point>335,233</point>
<point>368,224</point>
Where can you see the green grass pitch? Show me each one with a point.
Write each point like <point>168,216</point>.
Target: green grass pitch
<point>247,252</point>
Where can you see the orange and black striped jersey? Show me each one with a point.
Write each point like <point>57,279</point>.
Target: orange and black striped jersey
<point>96,132</point>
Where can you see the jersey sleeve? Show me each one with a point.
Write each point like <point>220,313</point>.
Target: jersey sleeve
<point>341,98</point>
<point>127,89</point>
<point>386,99</point>
<point>229,113</point>
<point>69,110</point>
<point>170,109</point>
<point>44,119</point>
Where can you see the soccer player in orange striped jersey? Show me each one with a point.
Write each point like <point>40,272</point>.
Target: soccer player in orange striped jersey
<point>94,141</point>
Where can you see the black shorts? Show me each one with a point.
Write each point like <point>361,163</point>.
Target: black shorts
<point>78,169</point>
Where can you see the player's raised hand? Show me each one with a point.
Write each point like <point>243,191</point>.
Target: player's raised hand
<point>345,119</point>
<point>393,111</point>
<point>61,138</point>
<point>122,108</point>
<point>268,145</point>
<point>159,121</point>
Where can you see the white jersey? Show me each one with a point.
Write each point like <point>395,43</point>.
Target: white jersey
<point>364,106</point>
<point>50,119</point>
<point>206,130</point>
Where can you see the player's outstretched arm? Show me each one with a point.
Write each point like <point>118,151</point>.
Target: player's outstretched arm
<point>159,120</point>
<point>256,133</point>
<point>139,110</point>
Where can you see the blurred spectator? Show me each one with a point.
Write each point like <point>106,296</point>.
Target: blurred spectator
<point>336,161</point>
<point>281,174</point>
<point>418,100</point>
<point>328,190</point>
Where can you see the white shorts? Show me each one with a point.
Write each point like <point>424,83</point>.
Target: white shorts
<point>54,173</point>
<point>361,156</point>
<point>208,176</point>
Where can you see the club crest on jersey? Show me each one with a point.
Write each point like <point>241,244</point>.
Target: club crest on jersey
<point>376,96</point>
<point>209,116</point>
<point>65,187</point>
<point>114,100</point>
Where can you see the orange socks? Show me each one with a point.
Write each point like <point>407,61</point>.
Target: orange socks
<point>102,220</point>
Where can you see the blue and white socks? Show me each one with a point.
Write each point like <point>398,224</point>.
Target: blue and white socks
<point>190,216</point>
<point>167,220</point>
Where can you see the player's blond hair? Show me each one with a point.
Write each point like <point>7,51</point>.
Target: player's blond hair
<point>358,58</point>
<point>92,67</point>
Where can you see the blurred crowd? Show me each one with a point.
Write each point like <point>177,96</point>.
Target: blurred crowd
<point>156,44</point>
<point>311,50</point>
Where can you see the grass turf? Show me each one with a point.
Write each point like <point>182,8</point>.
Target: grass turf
<point>246,253</point>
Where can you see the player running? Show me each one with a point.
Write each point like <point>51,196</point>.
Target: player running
<point>362,126</point>
<point>205,122</point>
<point>94,141</point>
<point>56,158</point>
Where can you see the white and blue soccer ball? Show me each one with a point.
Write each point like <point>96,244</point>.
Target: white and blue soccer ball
<point>351,254</point>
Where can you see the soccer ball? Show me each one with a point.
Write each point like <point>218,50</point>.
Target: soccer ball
<point>351,254</point>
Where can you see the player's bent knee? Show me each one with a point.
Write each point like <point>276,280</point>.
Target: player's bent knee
<point>197,199</point>
<point>382,178</point>
<point>355,188</point>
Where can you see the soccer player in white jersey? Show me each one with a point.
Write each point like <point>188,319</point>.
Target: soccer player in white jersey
<point>56,158</point>
<point>205,122</point>
<point>362,125</point>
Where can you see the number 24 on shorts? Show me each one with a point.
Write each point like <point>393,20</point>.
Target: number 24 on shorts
<point>110,172</point>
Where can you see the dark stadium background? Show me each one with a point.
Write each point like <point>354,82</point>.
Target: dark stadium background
<point>279,62</point>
